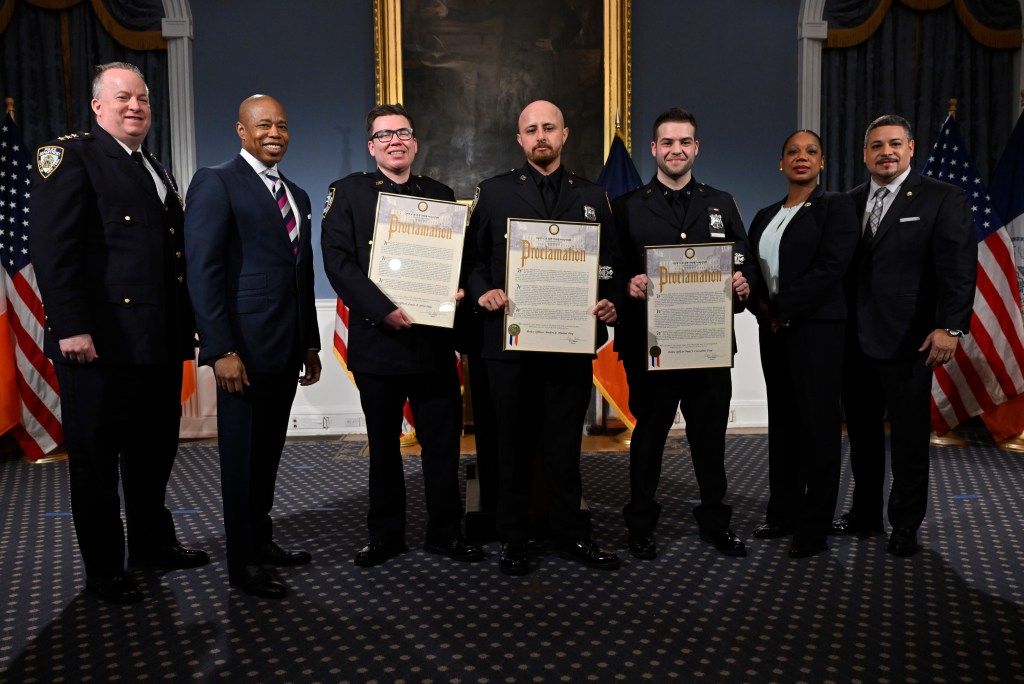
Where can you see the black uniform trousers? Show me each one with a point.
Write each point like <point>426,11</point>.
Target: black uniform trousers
<point>901,389</point>
<point>703,396</point>
<point>540,401</point>
<point>127,416</point>
<point>436,404</point>
<point>803,374</point>
<point>251,431</point>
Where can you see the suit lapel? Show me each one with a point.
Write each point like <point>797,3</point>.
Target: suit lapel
<point>904,198</point>
<point>263,201</point>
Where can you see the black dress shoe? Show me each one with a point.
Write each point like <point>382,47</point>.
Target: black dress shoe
<point>726,542</point>
<point>514,559</point>
<point>803,549</point>
<point>456,549</point>
<point>589,553</point>
<point>903,543</point>
<point>851,523</point>
<point>376,553</point>
<point>770,531</point>
<point>171,557</point>
<point>272,554</point>
<point>255,580</point>
<point>121,588</point>
<point>643,546</point>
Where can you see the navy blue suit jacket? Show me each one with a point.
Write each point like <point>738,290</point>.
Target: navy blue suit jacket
<point>251,294</point>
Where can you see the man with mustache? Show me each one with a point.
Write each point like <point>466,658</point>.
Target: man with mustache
<point>106,244</point>
<point>911,293</point>
<point>540,398</point>
<point>675,209</point>
<point>392,359</point>
<point>247,245</point>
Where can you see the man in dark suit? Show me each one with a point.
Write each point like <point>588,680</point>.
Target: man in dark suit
<point>390,358</point>
<point>250,262</point>
<point>106,243</point>
<point>911,291</point>
<point>540,398</point>
<point>674,209</point>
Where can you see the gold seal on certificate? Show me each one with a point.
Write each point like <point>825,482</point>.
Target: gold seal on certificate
<point>417,254</point>
<point>551,282</point>
<point>689,306</point>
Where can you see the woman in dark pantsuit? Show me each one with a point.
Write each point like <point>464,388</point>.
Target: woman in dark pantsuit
<point>803,245</point>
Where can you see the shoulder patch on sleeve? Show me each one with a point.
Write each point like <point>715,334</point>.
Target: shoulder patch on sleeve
<point>48,158</point>
<point>329,201</point>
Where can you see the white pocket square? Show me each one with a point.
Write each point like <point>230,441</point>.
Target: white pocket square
<point>910,218</point>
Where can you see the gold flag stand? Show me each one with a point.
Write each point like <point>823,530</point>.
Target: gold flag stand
<point>947,440</point>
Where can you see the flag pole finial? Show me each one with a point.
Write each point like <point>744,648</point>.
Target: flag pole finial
<point>952,107</point>
<point>10,105</point>
<point>618,116</point>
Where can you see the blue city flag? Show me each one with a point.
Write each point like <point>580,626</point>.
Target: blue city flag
<point>619,175</point>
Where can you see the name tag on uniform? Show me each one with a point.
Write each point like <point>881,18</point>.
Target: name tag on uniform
<point>906,219</point>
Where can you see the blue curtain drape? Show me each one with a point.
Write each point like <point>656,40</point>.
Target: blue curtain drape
<point>48,56</point>
<point>919,56</point>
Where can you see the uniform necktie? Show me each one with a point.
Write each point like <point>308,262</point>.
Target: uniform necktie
<point>137,156</point>
<point>286,211</point>
<point>876,210</point>
<point>549,193</point>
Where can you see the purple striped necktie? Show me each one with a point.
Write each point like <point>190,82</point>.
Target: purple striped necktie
<point>286,211</point>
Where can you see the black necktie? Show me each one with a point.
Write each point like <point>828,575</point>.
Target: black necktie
<point>549,193</point>
<point>678,201</point>
<point>402,188</point>
<point>137,156</point>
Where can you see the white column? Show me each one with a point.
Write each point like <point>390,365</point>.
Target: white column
<point>177,29</point>
<point>812,32</point>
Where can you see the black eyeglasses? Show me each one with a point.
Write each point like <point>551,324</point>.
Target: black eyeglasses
<point>386,135</point>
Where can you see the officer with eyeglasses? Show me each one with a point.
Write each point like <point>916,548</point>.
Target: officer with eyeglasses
<point>392,359</point>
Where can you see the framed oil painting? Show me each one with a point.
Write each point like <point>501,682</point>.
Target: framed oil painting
<point>465,69</point>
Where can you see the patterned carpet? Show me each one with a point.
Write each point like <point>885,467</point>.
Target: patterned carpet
<point>953,613</point>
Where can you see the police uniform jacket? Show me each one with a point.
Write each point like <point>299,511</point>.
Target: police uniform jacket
<point>515,195</point>
<point>108,254</point>
<point>346,240</point>
<point>645,218</point>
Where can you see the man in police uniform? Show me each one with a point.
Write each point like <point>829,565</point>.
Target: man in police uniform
<point>675,209</point>
<point>106,242</point>
<point>540,398</point>
<point>392,359</point>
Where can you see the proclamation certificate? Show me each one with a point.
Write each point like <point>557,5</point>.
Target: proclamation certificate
<point>417,254</point>
<point>689,306</point>
<point>551,282</point>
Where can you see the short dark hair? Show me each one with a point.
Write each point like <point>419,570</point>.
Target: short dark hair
<point>386,109</point>
<point>100,69</point>
<point>675,115</point>
<point>888,120</point>
<point>808,131</point>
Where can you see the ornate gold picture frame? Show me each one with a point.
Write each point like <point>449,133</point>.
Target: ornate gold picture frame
<point>465,68</point>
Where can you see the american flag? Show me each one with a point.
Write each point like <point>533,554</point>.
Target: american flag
<point>988,367</point>
<point>39,430</point>
<point>341,314</point>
